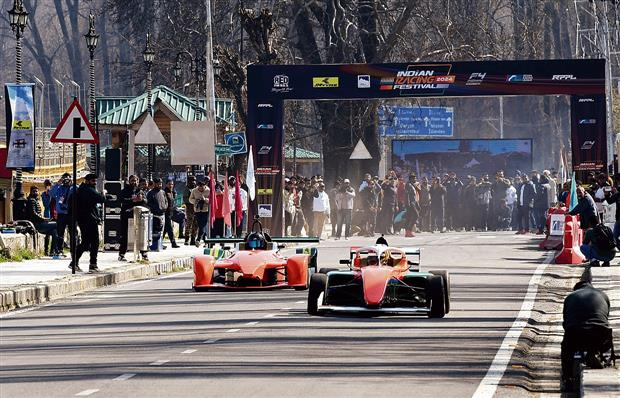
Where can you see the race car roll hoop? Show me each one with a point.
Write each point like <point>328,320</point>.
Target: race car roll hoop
<point>255,263</point>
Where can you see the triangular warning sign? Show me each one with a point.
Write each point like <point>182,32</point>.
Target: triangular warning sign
<point>149,133</point>
<point>74,127</point>
<point>360,152</point>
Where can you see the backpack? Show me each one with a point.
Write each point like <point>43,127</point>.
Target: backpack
<point>603,237</point>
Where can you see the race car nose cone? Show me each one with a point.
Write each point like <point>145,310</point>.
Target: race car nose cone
<point>375,280</point>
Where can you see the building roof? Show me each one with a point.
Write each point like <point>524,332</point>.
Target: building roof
<point>124,111</point>
<point>302,154</point>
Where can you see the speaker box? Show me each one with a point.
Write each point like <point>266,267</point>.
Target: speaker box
<point>113,164</point>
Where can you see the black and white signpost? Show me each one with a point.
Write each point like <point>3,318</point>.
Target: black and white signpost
<point>74,128</point>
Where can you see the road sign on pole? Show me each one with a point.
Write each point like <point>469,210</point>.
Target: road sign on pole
<point>237,142</point>
<point>74,127</point>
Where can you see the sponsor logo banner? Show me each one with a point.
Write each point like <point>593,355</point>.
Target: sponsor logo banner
<point>563,77</point>
<point>475,79</point>
<point>363,81</point>
<point>264,150</point>
<point>587,121</point>
<point>519,78</point>
<point>281,84</point>
<point>267,170</point>
<point>265,191</point>
<point>20,126</point>
<point>265,210</point>
<point>420,80</point>
<point>325,82</point>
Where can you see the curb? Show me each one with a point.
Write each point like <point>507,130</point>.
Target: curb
<point>29,295</point>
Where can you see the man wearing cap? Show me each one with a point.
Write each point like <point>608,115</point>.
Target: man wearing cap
<point>88,219</point>
<point>60,193</point>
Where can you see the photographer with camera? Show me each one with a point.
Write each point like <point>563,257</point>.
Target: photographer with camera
<point>200,199</point>
<point>344,203</point>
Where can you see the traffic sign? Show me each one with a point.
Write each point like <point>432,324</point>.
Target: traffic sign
<point>237,142</point>
<point>416,121</point>
<point>74,127</point>
<point>222,150</point>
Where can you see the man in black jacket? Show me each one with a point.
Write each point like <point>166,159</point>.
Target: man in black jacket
<point>88,219</point>
<point>157,203</point>
<point>586,326</point>
<point>586,208</point>
<point>171,198</point>
<point>525,202</point>
<point>131,196</point>
<point>43,225</point>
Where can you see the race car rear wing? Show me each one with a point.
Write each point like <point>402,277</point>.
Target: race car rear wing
<point>274,239</point>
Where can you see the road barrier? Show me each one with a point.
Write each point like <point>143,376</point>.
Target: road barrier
<point>573,236</point>
<point>555,229</point>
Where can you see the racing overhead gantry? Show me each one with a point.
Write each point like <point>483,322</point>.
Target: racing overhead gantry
<point>270,85</point>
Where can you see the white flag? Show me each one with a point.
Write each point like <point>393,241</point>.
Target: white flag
<point>250,180</point>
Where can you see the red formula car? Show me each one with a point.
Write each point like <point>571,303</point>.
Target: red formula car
<point>256,263</point>
<point>381,279</point>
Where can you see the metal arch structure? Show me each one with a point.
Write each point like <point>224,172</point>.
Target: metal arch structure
<point>597,35</point>
<point>584,80</point>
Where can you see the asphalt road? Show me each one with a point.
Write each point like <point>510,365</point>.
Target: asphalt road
<point>158,338</point>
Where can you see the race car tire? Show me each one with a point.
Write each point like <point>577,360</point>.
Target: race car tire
<point>326,270</point>
<point>446,286</point>
<point>436,294</point>
<point>318,282</point>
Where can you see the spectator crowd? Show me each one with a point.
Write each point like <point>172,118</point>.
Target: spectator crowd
<point>399,204</point>
<point>210,208</point>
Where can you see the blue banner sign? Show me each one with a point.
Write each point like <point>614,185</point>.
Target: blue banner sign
<point>415,121</point>
<point>236,142</point>
<point>20,126</point>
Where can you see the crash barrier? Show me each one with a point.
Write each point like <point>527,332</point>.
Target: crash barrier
<point>573,236</point>
<point>555,229</point>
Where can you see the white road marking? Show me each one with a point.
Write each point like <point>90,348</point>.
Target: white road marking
<point>486,236</point>
<point>270,315</point>
<point>124,376</point>
<point>251,323</point>
<point>86,393</point>
<point>300,302</point>
<point>286,309</point>
<point>210,341</point>
<point>488,385</point>
<point>188,351</point>
<point>159,362</point>
<point>232,330</point>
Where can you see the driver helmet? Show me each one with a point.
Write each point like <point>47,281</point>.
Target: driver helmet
<point>256,241</point>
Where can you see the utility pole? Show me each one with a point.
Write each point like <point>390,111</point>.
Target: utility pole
<point>209,81</point>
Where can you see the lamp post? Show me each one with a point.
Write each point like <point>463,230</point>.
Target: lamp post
<point>149,55</point>
<point>18,19</point>
<point>92,38</point>
<point>177,72</point>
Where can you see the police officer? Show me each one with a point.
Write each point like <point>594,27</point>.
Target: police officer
<point>88,218</point>
<point>586,326</point>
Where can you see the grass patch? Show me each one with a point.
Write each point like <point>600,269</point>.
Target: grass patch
<point>18,255</point>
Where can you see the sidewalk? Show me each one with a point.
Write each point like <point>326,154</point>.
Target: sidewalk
<point>33,282</point>
<point>606,382</point>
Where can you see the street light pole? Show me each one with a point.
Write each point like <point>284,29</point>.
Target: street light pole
<point>149,56</point>
<point>18,19</point>
<point>92,38</point>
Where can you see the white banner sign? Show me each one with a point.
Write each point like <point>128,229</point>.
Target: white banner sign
<point>557,225</point>
<point>192,143</point>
